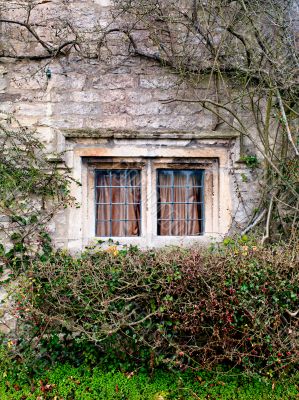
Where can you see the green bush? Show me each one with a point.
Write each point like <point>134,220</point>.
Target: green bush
<point>234,305</point>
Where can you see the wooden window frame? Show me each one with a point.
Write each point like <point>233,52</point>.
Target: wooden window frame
<point>149,168</point>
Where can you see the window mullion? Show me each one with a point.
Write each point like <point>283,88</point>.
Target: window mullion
<point>186,230</point>
<point>96,202</point>
<point>126,203</point>
<point>110,192</point>
<point>202,205</point>
<point>172,203</point>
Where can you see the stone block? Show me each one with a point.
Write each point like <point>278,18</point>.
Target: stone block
<point>33,109</point>
<point>77,109</point>
<point>82,16</point>
<point>27,79</point>
<point>160,82</point>
<point>68,121</point>
<point>60,97</point>
<point>181,108</point>
<point>177,122</point>
<point>25,121</point>
<point>109,96</point>
<point>112,121</point>
<point>153,108</point>
<point>114,108</point>
<point>86,96</point>
<point>72,81</point>
<point>114,81</point>
<point>121,70</point>
<point>139,96</point>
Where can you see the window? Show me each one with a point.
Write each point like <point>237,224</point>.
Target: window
<point>180,202</point>
<point>150,201</point>
<point>148,191</point>
<point>149,197</point>
<point>118,202</point>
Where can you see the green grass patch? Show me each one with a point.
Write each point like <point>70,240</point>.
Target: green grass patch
<point>84,383</point>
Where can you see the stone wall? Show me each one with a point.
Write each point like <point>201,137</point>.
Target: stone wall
<point>130,97</point>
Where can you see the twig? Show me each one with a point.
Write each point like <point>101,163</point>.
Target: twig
<point>286,123</point>
<point>292,314</point>
<point>254,223</point>
<point>267,234</point>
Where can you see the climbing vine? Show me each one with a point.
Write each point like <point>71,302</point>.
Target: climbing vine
<point>32,190</point>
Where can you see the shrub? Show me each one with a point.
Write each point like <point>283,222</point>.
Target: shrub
<point>236,304</point>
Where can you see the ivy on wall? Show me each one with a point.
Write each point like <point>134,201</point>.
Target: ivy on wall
<point>32,190</point>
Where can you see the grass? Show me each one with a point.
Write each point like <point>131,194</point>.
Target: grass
<point>67,383</point>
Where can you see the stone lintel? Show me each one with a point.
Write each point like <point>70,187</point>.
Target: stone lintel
<point>130,134</point>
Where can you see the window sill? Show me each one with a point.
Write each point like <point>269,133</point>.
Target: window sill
<point>160,241</point>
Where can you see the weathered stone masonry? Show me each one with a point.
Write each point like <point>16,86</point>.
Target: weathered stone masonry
<point>91,111</point>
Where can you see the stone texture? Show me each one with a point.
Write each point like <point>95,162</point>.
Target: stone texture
<point>128,99</point>
<point>158,82</point>
<point>77,109</point>
<point>66,82</point>
<point>33,109</point>
<point>112,81</point>
<point>3,85</point>
<point>103,3</point>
